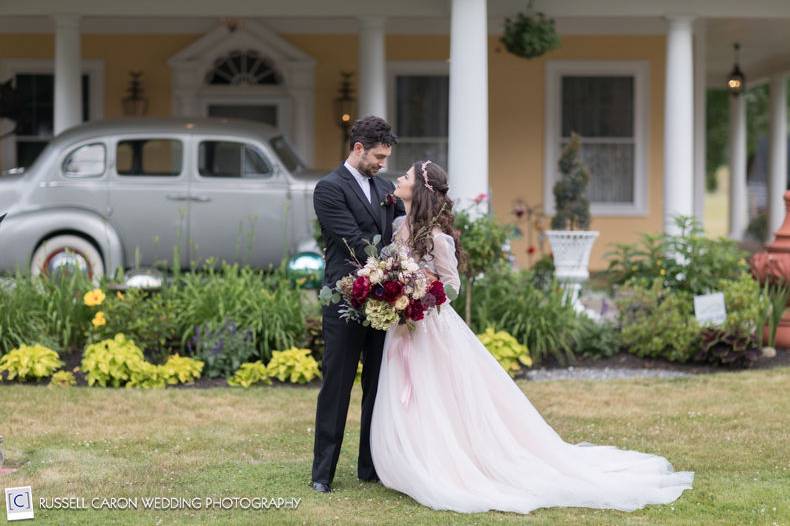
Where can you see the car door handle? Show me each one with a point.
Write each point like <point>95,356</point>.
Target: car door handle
<point>177,197</point>
<point>201,198</point>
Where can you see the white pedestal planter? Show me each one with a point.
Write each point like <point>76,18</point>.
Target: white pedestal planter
<point>571,249</point>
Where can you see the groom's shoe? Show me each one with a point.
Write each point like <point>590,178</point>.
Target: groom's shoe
<point>374,479</point>
<point>321,487</point>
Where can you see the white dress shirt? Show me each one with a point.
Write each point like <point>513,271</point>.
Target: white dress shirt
<point>361,179</point>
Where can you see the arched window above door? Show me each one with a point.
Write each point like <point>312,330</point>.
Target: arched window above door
<point>243,68</point>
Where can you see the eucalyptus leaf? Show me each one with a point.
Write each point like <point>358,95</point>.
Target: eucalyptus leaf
<point>371,251</point>
<point>325,295</point>
<point>450,291</point>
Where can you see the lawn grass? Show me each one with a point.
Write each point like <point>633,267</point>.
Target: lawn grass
<point>730,428</point>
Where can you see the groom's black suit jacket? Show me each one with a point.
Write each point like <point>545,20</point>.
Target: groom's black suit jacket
<point>344,211</point>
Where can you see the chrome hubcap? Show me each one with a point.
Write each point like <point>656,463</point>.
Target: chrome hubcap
<point>67,261</point>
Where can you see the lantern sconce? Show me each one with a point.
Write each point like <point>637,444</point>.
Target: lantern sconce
<point>345,106</point>
<point>737,81</point>
<point>135,103</point>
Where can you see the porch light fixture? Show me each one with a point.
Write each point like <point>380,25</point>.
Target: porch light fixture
<point>737,81</point>
<point>345,105</point>
<point>135,103</point>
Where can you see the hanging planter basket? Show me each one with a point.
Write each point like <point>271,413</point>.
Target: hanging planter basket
<point>530,34</point>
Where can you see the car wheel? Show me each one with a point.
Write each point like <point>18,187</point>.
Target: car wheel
<point>58,252</point>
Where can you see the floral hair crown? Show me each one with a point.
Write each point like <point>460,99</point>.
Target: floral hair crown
<point>425,175</point>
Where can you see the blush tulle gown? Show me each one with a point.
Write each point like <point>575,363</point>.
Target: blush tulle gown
<point>452,430</point>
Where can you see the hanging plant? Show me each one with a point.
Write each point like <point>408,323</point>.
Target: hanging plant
<point>530,34</point>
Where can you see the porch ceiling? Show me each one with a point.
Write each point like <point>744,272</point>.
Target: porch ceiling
<point>413,8</point>
<point>760,26</point>
<point>765,48</point>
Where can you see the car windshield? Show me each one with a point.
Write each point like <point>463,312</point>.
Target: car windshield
<point>287,155</point>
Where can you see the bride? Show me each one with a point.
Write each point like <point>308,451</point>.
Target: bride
<point>453,431</point>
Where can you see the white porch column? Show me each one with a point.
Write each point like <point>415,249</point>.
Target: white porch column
<point>777,176</point>
<point>468,133</point>
<point>738,193</point>
<point>678,122</point>
<point>372,67</point>
<point>699,121</point>
<point>68,72</point>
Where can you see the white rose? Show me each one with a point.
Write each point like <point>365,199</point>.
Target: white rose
<point>401,303</point>
<point>376,276</point>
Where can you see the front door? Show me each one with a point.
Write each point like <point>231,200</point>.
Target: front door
<point>149,199</point>
<point>239,204</point>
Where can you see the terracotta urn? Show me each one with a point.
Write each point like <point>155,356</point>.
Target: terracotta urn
<point>773,263</point>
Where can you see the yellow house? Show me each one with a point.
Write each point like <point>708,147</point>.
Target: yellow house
<point>630,77</point>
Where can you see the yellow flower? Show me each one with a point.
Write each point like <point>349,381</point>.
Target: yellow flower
<point>663,272</point>
<point>93,298</point>
<point>119,295</point>
<point>99,319</point>
<point>741,261</point>
<point>301,281</point>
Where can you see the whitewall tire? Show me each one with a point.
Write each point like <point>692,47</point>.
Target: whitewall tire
<point>65,249</point>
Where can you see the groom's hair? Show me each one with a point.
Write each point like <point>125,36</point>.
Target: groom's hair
<point>370,131</point>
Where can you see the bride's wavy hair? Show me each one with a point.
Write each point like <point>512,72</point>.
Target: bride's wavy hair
<point>432,205</point>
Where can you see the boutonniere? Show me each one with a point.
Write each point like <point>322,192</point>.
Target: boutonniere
<point>389,200</point>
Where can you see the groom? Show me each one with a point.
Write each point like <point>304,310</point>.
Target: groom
<point>348,205</point>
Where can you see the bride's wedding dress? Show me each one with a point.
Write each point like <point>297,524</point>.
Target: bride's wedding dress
<point>452,430</point>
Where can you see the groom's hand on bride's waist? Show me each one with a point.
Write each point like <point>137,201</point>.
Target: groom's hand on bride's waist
<point>430,275</point>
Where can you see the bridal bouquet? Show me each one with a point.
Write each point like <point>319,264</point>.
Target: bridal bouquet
<point>389,289</point>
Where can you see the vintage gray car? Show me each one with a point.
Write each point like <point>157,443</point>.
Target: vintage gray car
<point>111,195</point>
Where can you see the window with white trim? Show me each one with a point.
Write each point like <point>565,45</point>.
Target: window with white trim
<point>605,103</point>
<point>36,129</point>
<point>420,107</point>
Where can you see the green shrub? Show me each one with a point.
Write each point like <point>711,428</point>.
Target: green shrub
<point>29,362</point>
<point>746,305</point>
<point>572,209</point>
<point>295,365</point>
<point>49,311</point>
<point>483,241</point>
<point>147,318</point>
<point>688,262</point>
<point>658,322</point>
<point>63,379</point>
<point>510,354</point>
<point>267,303</point>
<point>509,300</point>
<point>119,362</point>
<point>181,369</point>
<point>223,349</point>
<point>250,373</point>
<point>737,342</point>
<point>595,340</point>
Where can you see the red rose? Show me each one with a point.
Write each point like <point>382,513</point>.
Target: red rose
<point>361,288</point>
<point>414,310</point>
<point>392,290</point>
<point>437,290</point>
<point>531,250</point>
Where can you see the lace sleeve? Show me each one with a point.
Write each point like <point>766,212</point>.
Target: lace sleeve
<point>444,261</point>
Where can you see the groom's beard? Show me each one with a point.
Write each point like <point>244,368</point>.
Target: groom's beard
<point>369,170</point>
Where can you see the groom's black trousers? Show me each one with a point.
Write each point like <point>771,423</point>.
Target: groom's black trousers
<point>344,342</point>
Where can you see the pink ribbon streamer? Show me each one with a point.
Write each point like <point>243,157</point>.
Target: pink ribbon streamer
<point>403,348</point>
